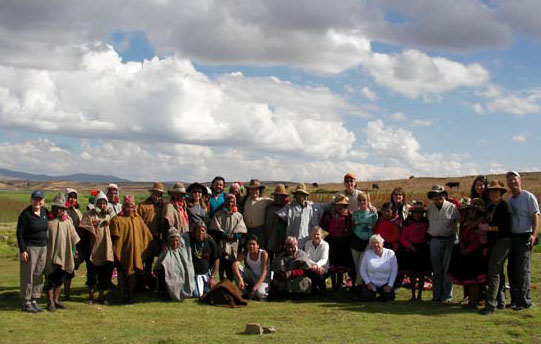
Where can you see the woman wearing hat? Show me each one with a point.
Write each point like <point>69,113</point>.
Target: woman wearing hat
<point>174,213</point>
<point>414,255</point>
<point>75,215</point>
<point>228,229</point>
<point>254,211</point>
<point>468,263</point>
<point>32,228</point>
<point>337,222</point>
<point>61,251</point>
<point>499,223</point>
<point>97,248</point>
<point>196,206</point>
<point>275,229</point>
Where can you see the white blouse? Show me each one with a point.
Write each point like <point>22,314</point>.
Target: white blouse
<point>379,270</point>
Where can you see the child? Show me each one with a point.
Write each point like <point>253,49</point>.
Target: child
<point>387,228</point>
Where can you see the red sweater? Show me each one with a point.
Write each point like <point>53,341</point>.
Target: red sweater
<point>389,231</point>
<point>414,233</point>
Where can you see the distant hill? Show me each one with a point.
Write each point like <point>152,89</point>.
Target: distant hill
<point>77,177</point>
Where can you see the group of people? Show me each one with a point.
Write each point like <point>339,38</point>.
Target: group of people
<point>275,248</point>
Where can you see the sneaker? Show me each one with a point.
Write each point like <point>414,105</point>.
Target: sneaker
<point>27,307</point>
<point>517,307</point>
<point>447,302</point>
<point>51,307</point>
<point>36,306</point>
<point>486,311</point>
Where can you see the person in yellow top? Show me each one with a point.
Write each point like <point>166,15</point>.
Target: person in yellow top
<point>131,238</point>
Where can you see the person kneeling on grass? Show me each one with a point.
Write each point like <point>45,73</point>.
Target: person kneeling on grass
<point>174,268</point>
<point>61,252</point>
<point>378,271</point>
<point>205,258</point>
<point>253,279</point>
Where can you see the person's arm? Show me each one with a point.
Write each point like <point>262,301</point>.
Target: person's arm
<point>214,272</point>
<point>282,213</point>
<point>535,220</point>
<point>263,276</point>
<point>236,271</point>
<point>394,269</point>
<point>21,226</point>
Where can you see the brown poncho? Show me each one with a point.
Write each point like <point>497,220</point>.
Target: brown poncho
<point>62,239</point>
<point>132,238</point>
<point>176,217</point>
<point>101,247</point>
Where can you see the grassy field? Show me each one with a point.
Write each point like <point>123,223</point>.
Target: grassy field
<point>333,320</point>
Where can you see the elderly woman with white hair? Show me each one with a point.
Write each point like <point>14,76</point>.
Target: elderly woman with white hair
<point>378,271</point>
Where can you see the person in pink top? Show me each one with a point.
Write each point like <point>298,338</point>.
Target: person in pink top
<point>414,255</point>
<point>337,222</point>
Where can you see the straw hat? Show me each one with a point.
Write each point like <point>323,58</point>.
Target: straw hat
<point>254,184</point>
<point>157,187</point>
<point>436,190</point>
<point>59,201</point>
<point>301,188</point>
<point>496,185</point>
<point>341,199</point>
<point>177,188</point>
<point>280,189</point>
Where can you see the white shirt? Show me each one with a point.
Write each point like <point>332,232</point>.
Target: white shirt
<point>318,255</point>
<point>379,270</point>
<point>444,221</point>
<point>301,219</point>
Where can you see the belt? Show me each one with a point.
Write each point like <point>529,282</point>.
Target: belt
<point>442,236</point>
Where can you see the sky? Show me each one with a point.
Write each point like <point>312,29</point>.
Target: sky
<point>303,90</point>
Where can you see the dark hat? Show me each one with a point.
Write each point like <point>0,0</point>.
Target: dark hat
<point>254,184</point>
<point>38,194</point>
<point>59,201</point>
<point>197,185</point>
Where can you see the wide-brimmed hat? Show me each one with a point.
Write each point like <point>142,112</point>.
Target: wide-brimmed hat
<point>436,190</point>
<point>177,188</point>
<point>59,201</point>
<point>157,187</point>
<point>197,185</point>
<point>496,185</point>
<point>254,184</point>
<point>301,188</point>
<point>418,207</point>
<point>340,199</point>
<point>280,189</point>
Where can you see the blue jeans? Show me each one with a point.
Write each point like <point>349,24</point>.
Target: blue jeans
<point>440,256</point>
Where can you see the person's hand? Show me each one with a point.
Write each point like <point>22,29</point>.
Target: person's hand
<point>288,274</point>
<point>230,237</point>
<point>212,282</point>
<point>314,268</point>
<point>320,270</point>
<point>76,255</point>
<point>24,256</point>
<point>387,289</point>
<point>371,286</point>
<point>241,284</point>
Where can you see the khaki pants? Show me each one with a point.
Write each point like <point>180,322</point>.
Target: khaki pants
<point>31,273</point>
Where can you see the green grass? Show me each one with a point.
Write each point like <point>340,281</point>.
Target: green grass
<point>331,321</point>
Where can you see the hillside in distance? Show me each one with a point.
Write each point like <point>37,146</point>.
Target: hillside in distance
<point>6,174</point>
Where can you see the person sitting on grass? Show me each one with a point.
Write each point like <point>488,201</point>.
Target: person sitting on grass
<point>61,253</point>
<point>205,258</point>
<point>174,268</point>
<point>378,271</point>
<point>96,248</point>
<point>289,272</point>
<point>387,228</point>
<point>254,277</point>
<point>318,252</point>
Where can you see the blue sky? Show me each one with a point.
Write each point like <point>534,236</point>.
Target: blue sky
<point>271,90</point>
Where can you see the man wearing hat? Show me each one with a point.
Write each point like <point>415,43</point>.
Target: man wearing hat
<point>254,211</point>
<point>174,213</point>
<point>443,218</point>
<point>275,228</point>
<point>524,234</point>
<point>113,197</point>
<point>196,205</point>
<point>32,227</point>
<point>131,238</point>
<point>150,211</point>
<point>350,191</point>
<point>301,215</point>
